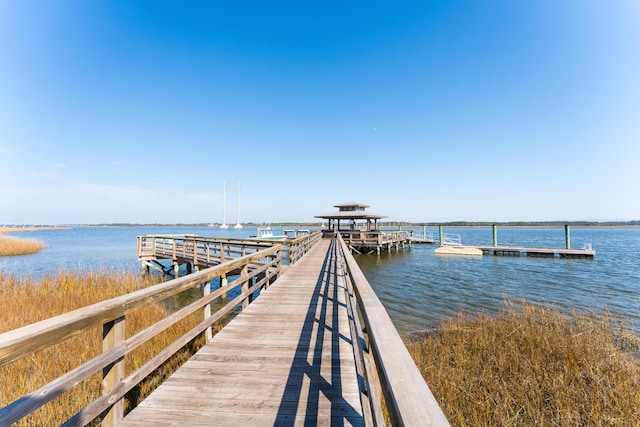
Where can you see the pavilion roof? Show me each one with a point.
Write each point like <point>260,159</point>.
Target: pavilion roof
<point>350,215</point>
<point>342,213</point>
<point>351,204</point>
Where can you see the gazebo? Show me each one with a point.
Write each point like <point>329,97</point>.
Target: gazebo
<point>350,214</point>
<point>360,231</point>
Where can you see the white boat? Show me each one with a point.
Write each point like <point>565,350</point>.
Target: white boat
<point>266,233</point>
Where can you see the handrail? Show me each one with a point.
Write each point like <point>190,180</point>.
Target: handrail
<point>296,248</point>
<point>205,250</point>
<point>406,394</point>
<point>450,239</point>
<point>264,266</point>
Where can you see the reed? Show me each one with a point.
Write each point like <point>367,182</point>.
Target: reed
<point>26,301</point>
<point>10,246</point>
<point>532,365</point>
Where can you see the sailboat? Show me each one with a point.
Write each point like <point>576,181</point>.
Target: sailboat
<point>224,225</point>
<point>238,225</point>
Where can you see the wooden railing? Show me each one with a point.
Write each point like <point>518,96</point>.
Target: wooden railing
<point>206,251</point>
<point>371,237</point>
<point>383,360</point>
<point>294,249</point>
<point>257,270</point>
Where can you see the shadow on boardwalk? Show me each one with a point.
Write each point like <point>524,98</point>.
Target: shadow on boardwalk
<point>321,323</point>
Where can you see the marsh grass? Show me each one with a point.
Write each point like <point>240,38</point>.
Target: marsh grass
<point>532,365</point>
<point>26,301</point>
<point>10,246</point>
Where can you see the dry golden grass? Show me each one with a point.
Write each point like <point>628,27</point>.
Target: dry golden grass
<point>26,301</point>
<point>10,246</point>
<point>532,365</point>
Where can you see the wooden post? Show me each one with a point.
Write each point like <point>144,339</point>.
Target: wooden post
<point>176,269</point>
<point>245,286</point>
<point>252,283</point>
<point>223,283</point>
<point>495,235</point>
<point>206,290</point>
<point>441,234</point>
<point>113,334</point>
<point>567,236</point>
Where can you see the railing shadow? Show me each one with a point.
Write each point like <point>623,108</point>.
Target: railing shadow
<point>321,324</point>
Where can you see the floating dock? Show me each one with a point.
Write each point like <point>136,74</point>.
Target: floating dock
<point>515,251</point>
<point>453,240</point>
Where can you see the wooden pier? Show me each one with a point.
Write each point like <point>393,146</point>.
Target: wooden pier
<point>312,345</point>
<point>287,358</point>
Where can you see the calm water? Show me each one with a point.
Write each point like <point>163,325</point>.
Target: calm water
<point>418,288</point>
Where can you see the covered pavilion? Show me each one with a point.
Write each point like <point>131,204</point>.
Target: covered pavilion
<point>350,214</point>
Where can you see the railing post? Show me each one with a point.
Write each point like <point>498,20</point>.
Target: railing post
<point>278,263</point>
<point>245,286</point>
<point>195,252</point>
<point>206,290</point>
<point>113,334</point>
<point>223,283</point>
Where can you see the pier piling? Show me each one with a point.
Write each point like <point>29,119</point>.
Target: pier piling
<point>495,235</point>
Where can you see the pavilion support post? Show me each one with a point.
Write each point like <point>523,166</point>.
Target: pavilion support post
<point>441,232</point>
<point>567,236</point>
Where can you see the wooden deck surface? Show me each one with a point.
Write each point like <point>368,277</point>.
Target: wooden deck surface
<point>285,360</point>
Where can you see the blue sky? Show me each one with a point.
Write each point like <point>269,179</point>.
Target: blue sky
<point>138,111</point>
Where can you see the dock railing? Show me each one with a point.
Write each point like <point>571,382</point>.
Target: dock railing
<point>372,237</point>
<point>451,239</point>
<point>294,249</point>
<point>257,270</point>
<point>206,251</point>
<point>383,360</point>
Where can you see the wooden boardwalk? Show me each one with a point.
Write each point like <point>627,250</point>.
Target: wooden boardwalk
<point>287,359</point>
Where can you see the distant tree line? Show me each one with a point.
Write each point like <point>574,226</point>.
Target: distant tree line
<point>635,223</point>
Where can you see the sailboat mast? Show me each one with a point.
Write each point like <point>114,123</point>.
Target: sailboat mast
<point>238,225</point>
<point>224,206</point>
